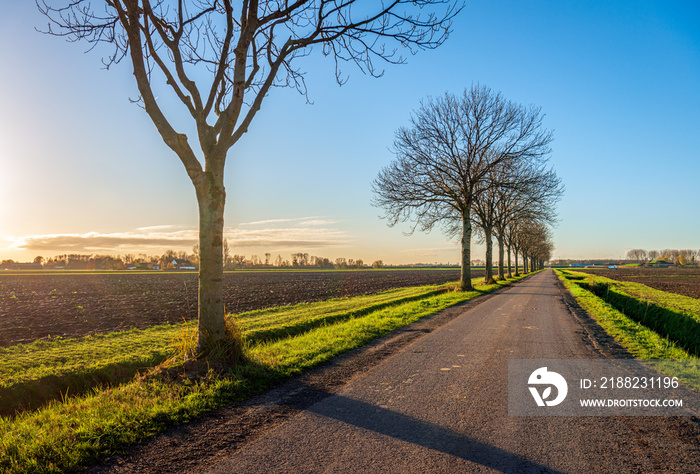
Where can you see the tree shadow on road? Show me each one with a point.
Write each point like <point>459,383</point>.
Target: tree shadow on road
<point>405,428</point>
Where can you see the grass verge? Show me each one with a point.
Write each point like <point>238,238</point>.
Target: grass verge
<point>32,375</point>
<point>74,431</point>
<point>651,324</point>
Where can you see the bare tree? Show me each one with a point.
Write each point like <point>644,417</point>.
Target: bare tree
<point>512,233</point>
<point>687,257</point>
<point>444,158</point>
<point>535,245</point>
<point>246,48</point>
<point>671,255</point>
<point>518,233</point>
<point>226,253</point>
<point>484,216</point>
<point>520,190</point>
<point>532,194</point>
<point>638,255</point>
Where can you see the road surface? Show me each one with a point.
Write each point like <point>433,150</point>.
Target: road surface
<point>441,405</point>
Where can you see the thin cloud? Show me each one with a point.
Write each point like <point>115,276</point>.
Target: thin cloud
<point>316,222</point>
<point>309,220</point>
<point>94,241</point>
<point>286,237</point>
<point>306,232</point>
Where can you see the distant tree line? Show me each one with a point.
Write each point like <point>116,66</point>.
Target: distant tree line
<point>165,261</point>
<point>675,256</point>
<point>565,262</point>
<point>110,262</point>
<point>296,260</point>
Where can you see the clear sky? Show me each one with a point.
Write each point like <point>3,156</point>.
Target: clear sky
<point>84,171</point>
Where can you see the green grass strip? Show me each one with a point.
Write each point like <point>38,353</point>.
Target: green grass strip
<point>640,340</point>
<point>674,317</point>
<point>59,357</point>
<point>33,374</point>
<point>74,433</point>
<point>274,323</point>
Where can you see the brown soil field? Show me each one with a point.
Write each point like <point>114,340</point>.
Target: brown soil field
<point>38,305</point>
<point>680,280</point>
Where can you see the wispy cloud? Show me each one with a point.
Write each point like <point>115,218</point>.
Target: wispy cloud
<point>286,237</point>
<point>107,242</point>
<point>289,233</point>
<point>273,234</point>
<point>313,220</point>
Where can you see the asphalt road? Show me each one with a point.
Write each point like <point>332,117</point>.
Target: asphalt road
<point>441,405</point>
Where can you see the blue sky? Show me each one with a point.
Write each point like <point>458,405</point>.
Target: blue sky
<point>84,171</point>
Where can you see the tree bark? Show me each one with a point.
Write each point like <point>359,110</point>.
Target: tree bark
<point>524,263</point>
<point>465,283</point>
<point>510,275</point>
<point>211,197</point>
<point>515,254</point>
<point>488,278</point>
<point>501,246</point>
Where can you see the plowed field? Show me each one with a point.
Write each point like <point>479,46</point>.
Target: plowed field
<point>682,281</point>
<point>34,306</point>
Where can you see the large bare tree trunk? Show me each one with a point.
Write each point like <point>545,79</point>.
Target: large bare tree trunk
<point>488,278</point>
<point>501,246</point>
<point>524,263</point>
<point>466,273</point>
<point>211,198</point>
<point>510,275</point>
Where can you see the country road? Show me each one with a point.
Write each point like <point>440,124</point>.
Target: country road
<point>441,405</point>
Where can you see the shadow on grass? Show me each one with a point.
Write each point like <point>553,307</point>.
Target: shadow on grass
<point>33,394</point>
<point>676,326</point>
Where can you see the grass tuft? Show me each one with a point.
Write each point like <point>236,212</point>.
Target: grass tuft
<point>228,352</point>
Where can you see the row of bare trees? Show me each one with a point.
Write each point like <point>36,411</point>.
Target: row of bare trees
<point>112,262</point>
<point>679,257</point>
<point>476,162</point>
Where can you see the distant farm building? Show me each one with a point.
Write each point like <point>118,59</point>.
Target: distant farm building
<point>180,264</point>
